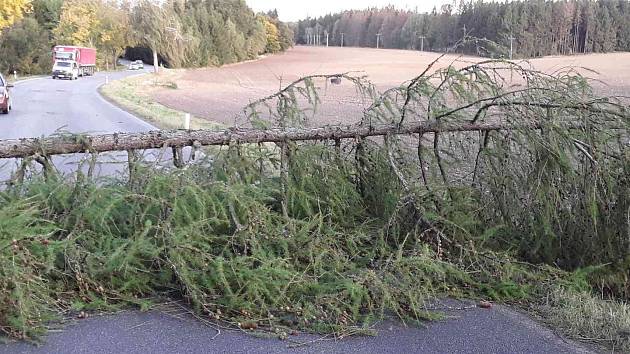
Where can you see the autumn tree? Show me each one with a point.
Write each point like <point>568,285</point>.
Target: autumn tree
<point>114,33</point>
<point>11,11</point>
<point>78,23</point>
<point>273,40</point>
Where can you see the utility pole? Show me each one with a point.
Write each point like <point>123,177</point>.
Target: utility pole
<point>326,39</point>
<point>378,39</point>
<point>511,45</point>
<point>422,43</point>
<point>342,39</point>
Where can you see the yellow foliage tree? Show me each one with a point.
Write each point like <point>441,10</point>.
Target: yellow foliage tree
<point>273,40</point>
<point>113,31</point>
<point>78,23</point>
<point>12,11</point>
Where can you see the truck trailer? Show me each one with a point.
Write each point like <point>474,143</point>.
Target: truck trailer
<point>71,62</point>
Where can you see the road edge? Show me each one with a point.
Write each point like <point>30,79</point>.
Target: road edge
<point>137,110</point>
<point>27,80</point>
<point>105,98</point>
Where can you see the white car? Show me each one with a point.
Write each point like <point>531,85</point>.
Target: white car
<point>65,69</point>
<point>136,65</point>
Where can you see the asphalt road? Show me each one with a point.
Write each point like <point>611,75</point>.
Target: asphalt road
<point>496,330</point>
<point>44,107</point>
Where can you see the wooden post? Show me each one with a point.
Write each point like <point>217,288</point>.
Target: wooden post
<point>187,121</point>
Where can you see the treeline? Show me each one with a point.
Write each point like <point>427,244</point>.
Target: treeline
<point>537,27</point>
<point>182,33</point>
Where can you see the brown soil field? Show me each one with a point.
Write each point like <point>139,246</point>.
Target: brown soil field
<point>219,94</point>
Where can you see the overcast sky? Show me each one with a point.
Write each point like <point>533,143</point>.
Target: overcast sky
<point>293,10</point>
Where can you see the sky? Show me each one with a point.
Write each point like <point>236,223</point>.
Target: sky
<point>293,10</point>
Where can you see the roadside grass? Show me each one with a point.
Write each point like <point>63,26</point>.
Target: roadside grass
<point>586,317</point>
<point>134,95</point>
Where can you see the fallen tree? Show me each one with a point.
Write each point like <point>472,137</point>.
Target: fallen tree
<point>59,145</point>
<point>457,183</point>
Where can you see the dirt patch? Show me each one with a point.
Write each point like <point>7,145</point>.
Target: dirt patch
<point>219,94</point>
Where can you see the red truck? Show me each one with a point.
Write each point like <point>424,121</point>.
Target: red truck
<point>71,62</point>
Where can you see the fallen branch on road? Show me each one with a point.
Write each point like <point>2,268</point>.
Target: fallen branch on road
<point>15,148</point>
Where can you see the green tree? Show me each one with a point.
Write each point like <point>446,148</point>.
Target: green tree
<point>28,48</point>
<point>47,13</point>
<point>539,27</point>
<point>150,22</point>
<point>285,35</point>
<point>411,30</point>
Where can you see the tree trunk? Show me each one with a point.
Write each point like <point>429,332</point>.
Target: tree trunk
<point>178,138</point>
<point>155,61</point>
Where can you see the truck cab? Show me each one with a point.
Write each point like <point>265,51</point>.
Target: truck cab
<point>71,62</point>
<point>65,69</point>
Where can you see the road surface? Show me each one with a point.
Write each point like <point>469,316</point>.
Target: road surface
<point>496,330</point>
<point>43,107</point>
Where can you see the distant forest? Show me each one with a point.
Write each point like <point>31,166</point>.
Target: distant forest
<point>538,27</point>
<point>183,33</point>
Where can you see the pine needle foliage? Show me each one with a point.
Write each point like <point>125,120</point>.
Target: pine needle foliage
<point>331,235</point>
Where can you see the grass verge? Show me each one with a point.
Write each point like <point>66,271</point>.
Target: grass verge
<point>133,94</point>
<point>581,315</point>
